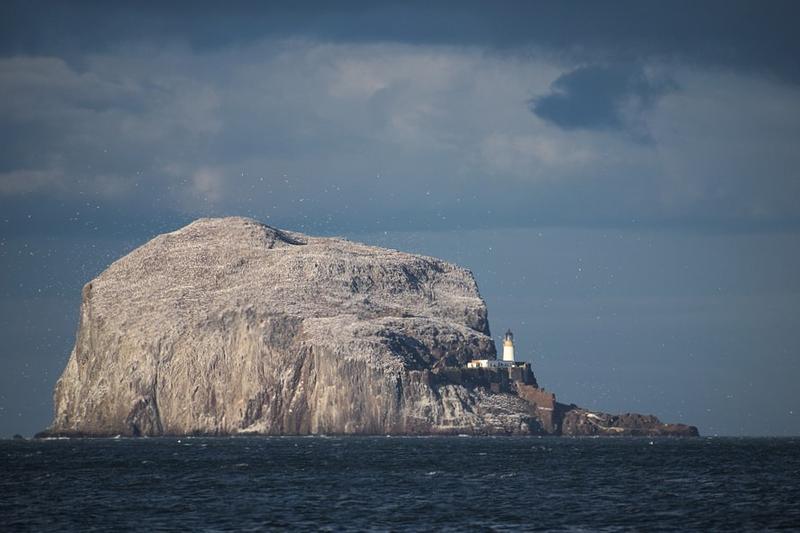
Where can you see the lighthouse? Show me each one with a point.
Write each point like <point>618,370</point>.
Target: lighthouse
<point>517,372</point>
<point>508,347</point>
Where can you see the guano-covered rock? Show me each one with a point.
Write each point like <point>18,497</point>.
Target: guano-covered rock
<point>228,326</point>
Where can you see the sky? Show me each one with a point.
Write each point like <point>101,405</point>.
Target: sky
<point>621,177</point>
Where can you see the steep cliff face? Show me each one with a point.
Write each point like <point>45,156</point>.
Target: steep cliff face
<point>228,326</point>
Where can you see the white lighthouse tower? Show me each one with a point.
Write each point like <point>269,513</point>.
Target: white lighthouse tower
<point>508,347</point>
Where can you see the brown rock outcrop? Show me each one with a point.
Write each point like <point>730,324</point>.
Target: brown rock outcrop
<point>580,422</point>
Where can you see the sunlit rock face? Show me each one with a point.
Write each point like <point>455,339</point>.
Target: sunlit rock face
<point>229,326</point>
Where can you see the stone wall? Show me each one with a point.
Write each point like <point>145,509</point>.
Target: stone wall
<point>544,403</point>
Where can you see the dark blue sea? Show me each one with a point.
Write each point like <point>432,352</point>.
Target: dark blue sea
<point>400,484</point>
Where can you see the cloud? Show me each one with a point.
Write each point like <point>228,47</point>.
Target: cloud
<point>600,97</point>
<point>539,157</point>
<point>327,136</point>
<point>24,181</point>
<point>53,181</point>
<point>734,34</point>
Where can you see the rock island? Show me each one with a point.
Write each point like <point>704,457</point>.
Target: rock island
<point>231,327</point>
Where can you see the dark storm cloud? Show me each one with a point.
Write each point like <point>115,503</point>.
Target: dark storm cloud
<point>736,33</point>
<point>595,97</point>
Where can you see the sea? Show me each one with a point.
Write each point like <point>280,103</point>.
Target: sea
<point>400,484</point>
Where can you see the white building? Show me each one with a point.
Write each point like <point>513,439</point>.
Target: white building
<point>508,356</point>
<point>489,363</point>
